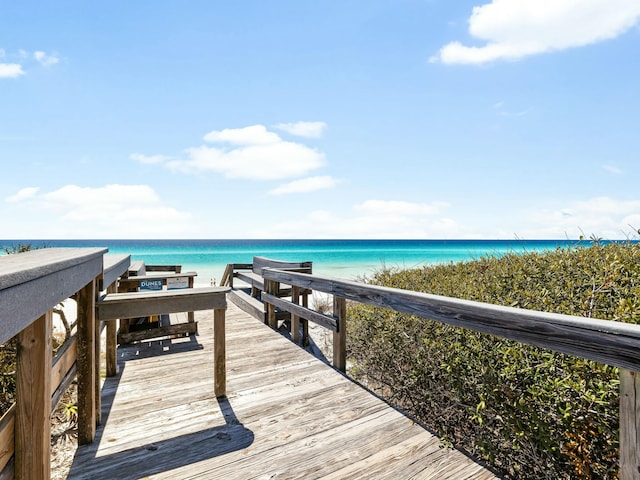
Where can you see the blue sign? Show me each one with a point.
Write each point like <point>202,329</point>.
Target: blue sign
<point>151,284</point>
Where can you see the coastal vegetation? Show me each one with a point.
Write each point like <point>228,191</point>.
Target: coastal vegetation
<point>528,412</point>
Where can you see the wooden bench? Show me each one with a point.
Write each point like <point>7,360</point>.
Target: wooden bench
<point>113,306</point>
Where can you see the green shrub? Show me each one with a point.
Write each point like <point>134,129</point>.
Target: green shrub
<point>529,412</point>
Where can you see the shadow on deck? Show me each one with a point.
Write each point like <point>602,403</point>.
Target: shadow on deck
<point>287,415</point>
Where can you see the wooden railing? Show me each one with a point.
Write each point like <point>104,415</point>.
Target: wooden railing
<point>249,274</point>
<point>114,306</point>
<point>604,341</point>
<point>31,285</point>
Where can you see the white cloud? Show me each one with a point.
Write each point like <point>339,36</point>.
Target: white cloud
<point>372,219</point>
<point>253,135</point>
<point>46,60</point>
<point>399,208</point>
<point>111,211</point>
<point>149,159</point>
<point>10,70</point>
<point>304,185</point>
<point>303,129</point>
<point>600,216</point>
<point>603,217</point>
<point>15,70</point>
<point>251,152</point>
<point>612,169</point>
<point>23,194</point>
<point>513,29</point>
<point>500,109</point>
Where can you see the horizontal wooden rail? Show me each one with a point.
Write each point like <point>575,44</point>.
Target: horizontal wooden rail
<point>229,273</point>
<point>163,268</point>
<point>604,341</point>
<point>113,306</point>
<point>63,365</point>
<point>260,263</point>
<point>326,321</point>
<point>138,304</point>
<point>114,266</point>
<point>62,374</point>
<point>33,282</point>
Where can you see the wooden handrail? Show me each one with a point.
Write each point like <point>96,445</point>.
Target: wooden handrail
<point>229,273</point>
<point>259,263</point>
<point>33,282</point>
<point>31,285</point>
<point>113,306</point>
<point>113,266</point>
<point>604,341</point>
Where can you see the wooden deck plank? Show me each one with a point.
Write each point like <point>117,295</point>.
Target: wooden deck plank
<point>287,415</point>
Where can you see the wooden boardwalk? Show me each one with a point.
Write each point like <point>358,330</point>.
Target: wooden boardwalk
<point>287,415</point>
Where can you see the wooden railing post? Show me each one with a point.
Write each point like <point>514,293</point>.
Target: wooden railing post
<point>629,425</point>
<point>271,287</point>
<point>112,342</point>
<point>295,319</point>
<point>305,322</point>
<point>340,336</point>
<point>219,353</point>
<point>33,401</point>
<point>97,344</point>
<point>123,323</point>
<point>191,315</point>
<point>86,364</point>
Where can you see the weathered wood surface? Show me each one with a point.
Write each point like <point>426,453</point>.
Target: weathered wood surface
<point>33,401</point>
<point>227,276</point>
<point>613,343</point>
<point>111,342</point>
<point>260,263</point>
<point>257,283</point>
<point>249,304</point>
<point>164,268</point>
<point>63,363</point>
<point>62,374</point>
<point>340,335</point>
<point>250,278</point>
<point>113,266</point>
<point>286,415</point>
<point>629,425</point>
<point>186,328</point>
<point>86,362</point>
<point>33,282</point>
<point>219,353</point>
<point>138,304</point>
<point>325,320</point>
<point>7,436</point>
<point>137,267</point>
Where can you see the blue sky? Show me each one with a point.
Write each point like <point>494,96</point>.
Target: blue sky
<point>320,119</point>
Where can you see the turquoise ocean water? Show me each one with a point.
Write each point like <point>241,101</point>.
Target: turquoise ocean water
<point>348,259</point>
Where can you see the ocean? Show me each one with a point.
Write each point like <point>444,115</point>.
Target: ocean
<point>346,259</point>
